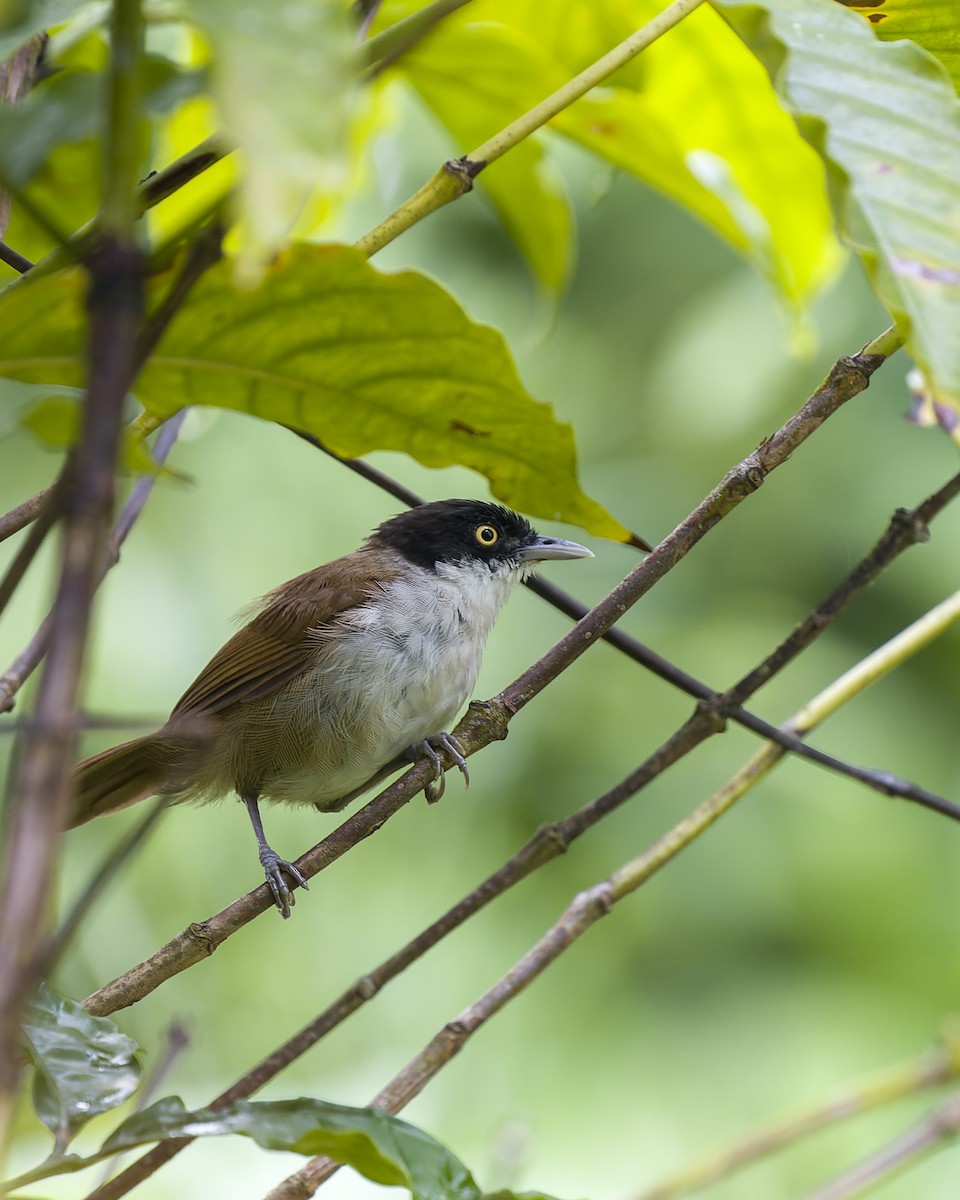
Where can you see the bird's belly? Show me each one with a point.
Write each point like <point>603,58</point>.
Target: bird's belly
<point>353,716</point>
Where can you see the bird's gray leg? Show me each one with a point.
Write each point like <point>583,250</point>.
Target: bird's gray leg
<point>273,865</point>
<point>428,749</point>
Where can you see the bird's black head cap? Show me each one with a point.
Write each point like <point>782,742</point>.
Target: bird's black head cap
<point>450,531</point>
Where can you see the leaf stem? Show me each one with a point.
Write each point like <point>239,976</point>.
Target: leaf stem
<point>455,178</point>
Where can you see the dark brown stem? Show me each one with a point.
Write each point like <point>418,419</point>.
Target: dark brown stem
<point>486,723</point>
<point>84,500</point>
<point>21,516</point>
<point>880,781</point>
<point>549,842</point>
<point>8,255</point>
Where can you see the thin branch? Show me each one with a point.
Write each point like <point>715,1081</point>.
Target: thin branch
<point>25,555</point>
<point>385,48</point>
<point>547,844</point>
<point>32,654</point>
<point>455,179</point>
<point>10,256</point>
<point>641,654</point>
<point>941,1127</point>
<point>21,516</point>
<point>486,723</point>
<point>934,1067</point>
<point>149,193</point>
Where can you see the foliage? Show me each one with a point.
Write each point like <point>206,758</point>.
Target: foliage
<point>789,129</point>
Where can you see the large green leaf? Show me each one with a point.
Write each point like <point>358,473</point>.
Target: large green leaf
<point>382,1148</point>
<point>282,79</point>
<point>83,1065</point>
<point>694,116</point>
<point>888,117</point>
<point>362,359</point>
<point>934,24</point>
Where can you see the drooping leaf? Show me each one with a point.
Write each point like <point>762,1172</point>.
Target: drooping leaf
<point>362,359</point>
<point>694,116</point>
<point>933,24</point>
<point>380,1147</point>
<point>887,116</point>
<point>83,1065</point>
<point>282,76</point>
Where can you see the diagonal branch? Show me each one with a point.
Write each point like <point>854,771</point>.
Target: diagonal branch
<point>486,723</point>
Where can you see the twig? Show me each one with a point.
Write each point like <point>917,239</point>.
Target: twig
<point>32,654</point>
<point>385,48</point>
<point>42,525</point>
<point>21,516</point>
<point>485,723</point>
<point>936,1066</point>
<point>10,256</point>
<point>149,193</point>
<point>549,842</point>
<point>939,1128</point>
<point>646,657</point>
<point>454,179</point>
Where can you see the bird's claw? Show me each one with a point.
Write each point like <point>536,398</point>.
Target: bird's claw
<point>274,868</point>
<point>428,748</point>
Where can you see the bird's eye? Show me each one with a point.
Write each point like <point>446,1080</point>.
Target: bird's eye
<point>486,535</point>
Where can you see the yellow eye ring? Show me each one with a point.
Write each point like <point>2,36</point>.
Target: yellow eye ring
<point>486,535</point>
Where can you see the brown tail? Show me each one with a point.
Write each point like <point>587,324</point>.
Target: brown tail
<point>121,776</point>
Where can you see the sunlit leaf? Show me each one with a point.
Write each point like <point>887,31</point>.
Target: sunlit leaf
<point>887,116</point>
<point>83,1065</point>
<point>362,359</point>
<point>282,77</point>
<point>934,24</point>
<point>506,75</point>
<point>694,116</point>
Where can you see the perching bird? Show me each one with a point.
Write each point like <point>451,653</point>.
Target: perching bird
<point>342,671</point>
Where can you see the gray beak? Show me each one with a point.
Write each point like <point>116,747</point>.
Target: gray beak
<point>550,547</point>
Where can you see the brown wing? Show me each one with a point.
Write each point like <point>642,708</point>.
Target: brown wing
<point>274,648</point>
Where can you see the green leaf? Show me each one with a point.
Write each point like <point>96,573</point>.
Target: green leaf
<point>737,162</point>
<point>380,1147</point>
<point>506,74</point>
<point>21,19</point>
<point>887,116</point>
<point>362,359</point>
<point>84,1065</point>
<point>282,76</point>
<point>54,420</point>
<point>933,24</point>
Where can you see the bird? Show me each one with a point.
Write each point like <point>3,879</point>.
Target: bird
<point>340,676</point>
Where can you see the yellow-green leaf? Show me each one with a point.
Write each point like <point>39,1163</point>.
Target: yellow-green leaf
<point>933,24</point>
<point>887,116</point>
<point>362,359</point>
<point>694,116</point>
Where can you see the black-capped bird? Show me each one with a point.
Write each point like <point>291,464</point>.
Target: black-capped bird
<point>342,671</point>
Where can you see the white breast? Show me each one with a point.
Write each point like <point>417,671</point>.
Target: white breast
<point>396,672</point>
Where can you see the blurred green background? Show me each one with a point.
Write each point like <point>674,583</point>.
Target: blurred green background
<point>808,939</point>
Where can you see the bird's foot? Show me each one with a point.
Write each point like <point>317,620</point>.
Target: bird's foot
<point>429,748</point>
<point>274,867</point>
